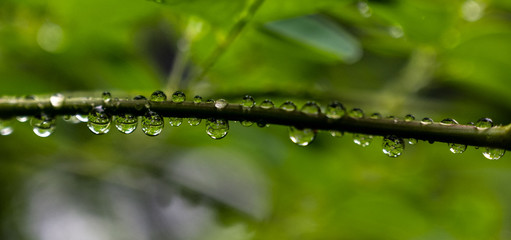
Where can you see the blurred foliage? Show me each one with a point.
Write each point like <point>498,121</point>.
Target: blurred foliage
<point>431,58</point>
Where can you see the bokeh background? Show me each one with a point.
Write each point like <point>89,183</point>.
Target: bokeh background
<point>433,59</point>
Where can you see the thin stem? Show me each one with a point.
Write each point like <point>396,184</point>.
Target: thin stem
<point>495,137</point>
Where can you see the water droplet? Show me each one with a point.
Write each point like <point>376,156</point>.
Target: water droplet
<point>178,97</point>
<point>140,105</point>
<point>217,128</point>
<point>394,119</point>
<point>362,139</point>
<point>5,127</point>
<point>412,141</point>
<point>267,104</point>
<point>409,118</point>
<point>158,96</point>
<point>43,126</point>
<point>71,119</point>
<point>126,123</point>
<point>246,123</point>
<point>426,121</point>
<point>107,97</point>
<point>356,113</point>
<point>175,121</point>
<point>82,118</point>
<point>22,118</point>
<point>194,121</point>
<point>335,133</point>
<point>448,121</point>
<point>288,106</point>
<point>457,148</point>
<point>210,101</point>
<point>484,123</point>
<point>302,137</point>
<point>376,116</point>
<point>57,100</point>
<point>152,123</point>
<point>393,146</point>
<point>262,124</point>
<point>311,108</point>
<point>335,110</point>
<point>139,97</point>
<point>99,121</point>
<point>493,153</point>
<point>221,104</point>
<point>197,99</point>
<point>247,102</point>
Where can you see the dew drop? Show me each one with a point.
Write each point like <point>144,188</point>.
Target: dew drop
<point>356,113</point>
<point>262,124</point>
<point>247,102</point>
<point>221,104</point>
<point>140,105</point>
<point>210,101</point>
<point>302,137</point>
<point>71,119</point>
<point>99,121</point>
<point>217,128</point>
<point>288,106</point>
<point>409,118</point>
<point>246,123</point>
<point>311,108</point>
<point>335,133</point>
<point>152,123</point>
<point>484,123</point>
<point>393,146</point>
<point>267,104</point>
<point>22,118</point>
<point>57,100</point>
<point>107,97</point>
<point>448,121</point>
<point>175,121</point>
<point>158,96</point>
<point>5,127</point>
<point>126,123</point>
<point>362,139</point>
<point>457,148</point>
<point>412,141</point>
<point>197,99</point>
<point>194,121</point>
<point>426,121</point>
<point>43,126</point>
<point>178,97</point>
<point>376,116</point>
<point>335,110</point>
<point>493,153</point>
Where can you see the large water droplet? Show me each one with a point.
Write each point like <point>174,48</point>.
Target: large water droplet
<point>194,121</point>
<point>217,128</point>
<point>393,146</point>
<point>493,153</point>
<point>158,96</point>
<point>5,127</point>
<point>448,121</point>
<point>152,123</point>
<point>99,121</point>
<point>457,148</point>
<point>409,118</point>
<point>126,123</point>
<point>356,113</point>
<point>302,137</point>
<point>311,108</point>
<point>175,121</point>
<point>221,104</point>
<point>267,104</point>
<point>484,123</point>
<point>197,99</point>
<point>57,100</point>
<point>288,106</point>
<point>107,97</point>
<point>43,126</point>
<point>335,110</point>
<point>362,139</point>
<point>426,121</point>
<point>178,97</point>
<point>247,102</point>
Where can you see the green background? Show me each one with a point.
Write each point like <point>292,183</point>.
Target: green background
<point>433,59</point>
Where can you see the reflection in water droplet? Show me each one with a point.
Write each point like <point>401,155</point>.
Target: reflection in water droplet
<point>175,121</point>
<point>426,121</point>
<point>457,148</point>
<point>362,139</point>
<point>484,123</point>
<point>493,153</point>
<point>246,123</point>
<point>99,121</point>
<point>152,123</point>
<point>22,118</point>
<point>158,96</point>
<point>5,127</point>
<point>247,102</point>
<point>302,137</point>
<point>194,121</point>
<point>217,128</point>
<point>266,104</point>
<point>311,108</point>
<point>409,118</point>
<point>288,106</point>
<point>393,146</point>
<point>82,118</point>
<point>197,99</point>
<point>364,9</point>
<point>376,116</point>
<point>57,100</point>
<point>356,113</point>
<point>411,141</point>
<point>126,123</point>
<point>448,121</point>
<point>221,104</point>
<point>107,97</point>
<point>335,110</point>
<point>178,97</point>
<point>43,126</point>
